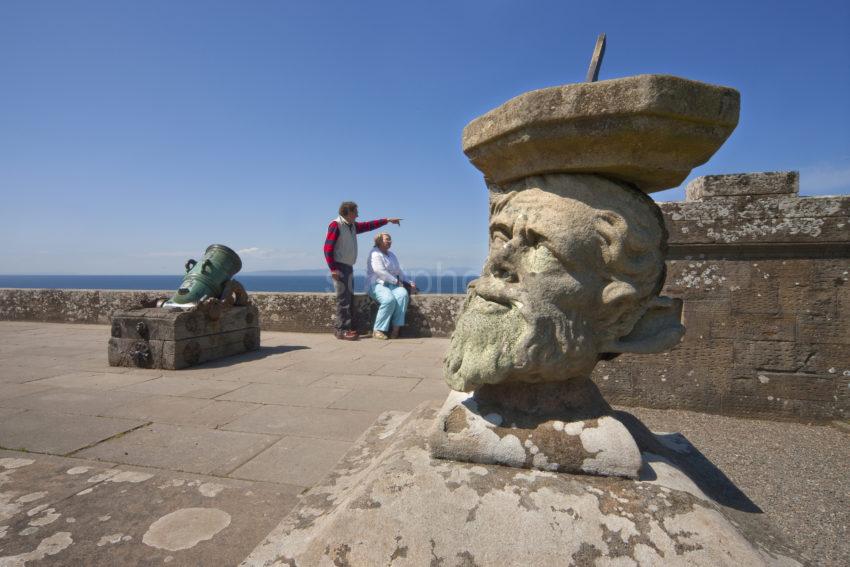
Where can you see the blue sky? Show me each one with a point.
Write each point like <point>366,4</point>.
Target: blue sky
<point>134,134</point>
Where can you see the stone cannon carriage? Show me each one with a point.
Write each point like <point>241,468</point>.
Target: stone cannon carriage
<point>209,317</point>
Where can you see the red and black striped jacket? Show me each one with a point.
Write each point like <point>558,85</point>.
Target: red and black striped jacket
<point>333,234</point>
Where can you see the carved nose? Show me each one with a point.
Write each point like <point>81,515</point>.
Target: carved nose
<point>501,264</point>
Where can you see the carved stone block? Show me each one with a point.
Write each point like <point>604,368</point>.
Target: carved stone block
<point>175,338</point>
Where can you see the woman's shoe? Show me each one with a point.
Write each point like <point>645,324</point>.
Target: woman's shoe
<point>380,335</point>
<point>394,332</point>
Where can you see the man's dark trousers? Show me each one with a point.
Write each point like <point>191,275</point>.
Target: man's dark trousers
<point>344,288</point>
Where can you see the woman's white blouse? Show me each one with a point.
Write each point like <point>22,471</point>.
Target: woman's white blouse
<point>382,268</point>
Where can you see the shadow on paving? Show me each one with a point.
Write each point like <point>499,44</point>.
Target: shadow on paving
<point>676,449</point>
<point>259,354</point>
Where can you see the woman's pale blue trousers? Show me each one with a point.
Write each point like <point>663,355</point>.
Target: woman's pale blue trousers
<point>392,305</point>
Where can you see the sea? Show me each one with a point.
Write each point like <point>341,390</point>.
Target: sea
<point>297,283</point>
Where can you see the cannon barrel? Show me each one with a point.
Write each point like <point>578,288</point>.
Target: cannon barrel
<point>207,277</point>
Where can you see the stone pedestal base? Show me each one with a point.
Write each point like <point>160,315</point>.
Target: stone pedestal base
<point>388,503</point>
<point>175,338</point>
<point>563,427</point>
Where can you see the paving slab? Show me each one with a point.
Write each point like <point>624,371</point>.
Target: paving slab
<point>301,461</point>
<point>378,401</point>
<point>435,388</point>
<point>94,380</point>
<point>183,411</point>
<point>368,382</point>
<point>181,448</point>
<point>5,412</point>
<point>89,513</point>
<point>315,397</point>
<point>432,370</point>
<point>334,424</point>
<point>43,361</point>
<point>173,384</point>
<point>95,364</point>
<point>320,364</point>
<point>281,376</point>
<point>10,390</point>
<point>33,483</point>
<point>12,371</point>
<point>58,433</point>
<point>71,400</point>
<point>335,359</point>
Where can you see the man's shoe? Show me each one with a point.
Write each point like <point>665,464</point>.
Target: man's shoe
<point>380,335</point>
<point>346,335</point>
<point>394,332</point>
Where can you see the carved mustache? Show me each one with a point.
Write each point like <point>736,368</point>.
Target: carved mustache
<point>495,290</point>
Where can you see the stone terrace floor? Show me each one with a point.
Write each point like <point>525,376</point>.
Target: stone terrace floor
<point>109,466</point>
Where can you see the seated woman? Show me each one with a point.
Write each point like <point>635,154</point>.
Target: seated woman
<point>385,284</point>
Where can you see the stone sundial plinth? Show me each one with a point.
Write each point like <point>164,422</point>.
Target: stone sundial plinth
<point>575,266</point>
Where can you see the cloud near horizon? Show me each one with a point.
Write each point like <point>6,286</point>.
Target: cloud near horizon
<point>260,253</point>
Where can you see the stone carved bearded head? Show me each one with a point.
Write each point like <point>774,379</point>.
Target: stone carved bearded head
<point>575,266</point>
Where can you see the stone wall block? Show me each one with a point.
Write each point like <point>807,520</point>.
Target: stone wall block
<point>755,207</point>
<point>615,376</point>
<point>736,229</point>
<point>758,295</point>
<point>755,329</point>
<point>842,300</point>
<point>796,293</point>
<point>759,300</point>
<point>822,358</point>
<point>743,382</point>
<point>785,408</point>
<point>842,395</point>
<point>832,274</point>
<point>820,303</point>
<point>758,220</point>
<point>673,388</point>
<point>699,315</point>
<point>765,183</point>
<point>780,356</point>
<point>692,354</point>
<point>795,385</point>
<point>697,279</point>
<point>815,330</point>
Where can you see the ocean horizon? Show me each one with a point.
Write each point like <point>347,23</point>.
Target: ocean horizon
<point>253,283</point>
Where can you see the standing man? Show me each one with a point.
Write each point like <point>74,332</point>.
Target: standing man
<point>341,254</point>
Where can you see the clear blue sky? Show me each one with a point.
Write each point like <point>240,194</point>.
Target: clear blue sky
<point>133,134</point>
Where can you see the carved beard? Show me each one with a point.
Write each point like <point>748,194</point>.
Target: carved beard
<point>525,342</point>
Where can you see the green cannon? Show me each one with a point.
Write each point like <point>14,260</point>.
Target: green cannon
<point>209,279</point>
<point>209,317</point>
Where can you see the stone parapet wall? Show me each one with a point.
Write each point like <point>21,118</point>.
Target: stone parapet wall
<point>764,278</point>
<point>429,315</point>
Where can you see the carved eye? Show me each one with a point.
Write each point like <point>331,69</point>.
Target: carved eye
<point>499,233</point>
